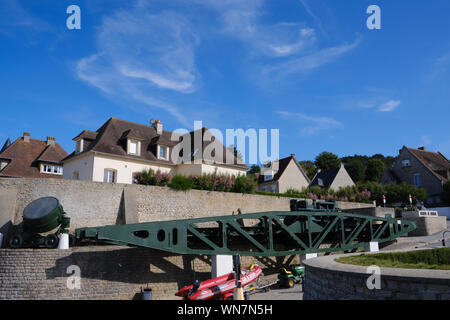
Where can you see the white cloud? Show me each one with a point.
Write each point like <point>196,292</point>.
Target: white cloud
<point>311,125</point>
<point>308,62</point>
<point>141,55</point>
<point>388,106</point>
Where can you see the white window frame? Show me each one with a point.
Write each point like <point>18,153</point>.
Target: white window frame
<point>107,176</point>
<point>50,169</point>
<point>138,147</point>
<point>159,152</point>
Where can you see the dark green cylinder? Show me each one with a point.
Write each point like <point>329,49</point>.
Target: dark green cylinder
<point>43,215</point>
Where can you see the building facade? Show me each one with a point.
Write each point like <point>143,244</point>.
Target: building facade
<point>333,179</point>
<point>120,149</point>
<point>423,169</point>
<point>32,158</point>
<point>289,175</point>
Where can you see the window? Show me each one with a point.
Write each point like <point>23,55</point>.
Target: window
<point>51,169</point>
<point>79,147</point>
<point>274,189</point>
<point>133,147</point>
<point>417,181</point>
<point>406,163</point>
<point>268,176</point>
<point>75,175</point>
<point>320,182</point>
<point>109,176</point>
<point>162,152</point>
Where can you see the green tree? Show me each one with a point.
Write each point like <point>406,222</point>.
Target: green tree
<point>309,168</point>
<point>327,161</point>
<point>356,169</point>
<point>254,169</point>
<point>375,168</point>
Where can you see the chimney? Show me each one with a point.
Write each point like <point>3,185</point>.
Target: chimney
<point>26,136</point>
<point>422,148</point>
<point>50,140</point>
<point>292,155</point>
<point>158,127</point>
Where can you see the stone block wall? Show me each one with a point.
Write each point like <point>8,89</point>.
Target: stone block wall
<point>330,280</point>
<point>109,272</point>
<point>428,225</point>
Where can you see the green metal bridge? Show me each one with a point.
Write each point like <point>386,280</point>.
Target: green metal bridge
<point>320,227</point>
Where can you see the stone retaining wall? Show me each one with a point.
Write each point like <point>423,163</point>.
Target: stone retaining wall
<point>109,272</point>
<point>327,279</point>
<point>91,204</point>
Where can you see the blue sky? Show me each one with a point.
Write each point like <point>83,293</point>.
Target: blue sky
<point>311,69</point>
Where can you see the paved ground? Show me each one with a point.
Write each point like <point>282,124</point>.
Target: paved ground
<point>275,293</point>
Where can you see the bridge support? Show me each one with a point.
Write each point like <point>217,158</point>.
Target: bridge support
<point>373,247</point>
<point>307,256</point>
<point>221,264</point>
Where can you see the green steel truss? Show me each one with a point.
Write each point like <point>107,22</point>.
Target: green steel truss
<point>256,234</point>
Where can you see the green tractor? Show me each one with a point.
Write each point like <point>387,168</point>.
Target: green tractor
<point>289,278</point>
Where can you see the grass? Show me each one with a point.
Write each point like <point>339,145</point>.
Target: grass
<point>437,259</point>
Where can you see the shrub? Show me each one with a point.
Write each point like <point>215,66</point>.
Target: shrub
<point>244,184</point>
<point>146,177</point>
<point>180,182</point>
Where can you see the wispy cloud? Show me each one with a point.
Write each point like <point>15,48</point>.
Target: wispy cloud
<point>12,14</point>
<point>308,62</point>
<point>142,55</point>
<point>312,125</point>
<point>389,106</point>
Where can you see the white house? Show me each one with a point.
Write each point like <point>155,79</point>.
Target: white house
<point>120,149</point>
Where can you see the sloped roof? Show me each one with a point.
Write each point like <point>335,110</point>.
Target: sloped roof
<point>325,178</point>
<point>111,139</point>
<point>25,157</point>
<point>434,161</point>
<point>282,165</point>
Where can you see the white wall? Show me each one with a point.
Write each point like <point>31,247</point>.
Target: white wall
<point>292,178</point>
<point>342,180</point>
<point>84,165</point>
<point>124,167</point>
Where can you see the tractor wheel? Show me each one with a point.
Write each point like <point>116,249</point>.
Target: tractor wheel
<point>16,241</point>
<point>51,241</point>
<point>291,283</point>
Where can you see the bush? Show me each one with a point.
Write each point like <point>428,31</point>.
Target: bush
<point>180,182</point>
<point>150,178</point>
<point>244,184</point>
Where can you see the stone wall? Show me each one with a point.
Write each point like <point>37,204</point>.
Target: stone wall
<point>109,272</point>
<point>427,225</point>
<point>91,204</point>
<point>327,279</point>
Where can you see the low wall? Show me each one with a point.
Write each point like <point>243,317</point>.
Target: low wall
<point>327,279</point>
<point>374,211</point>
<point>427,226</point>
<point>109,272</point>
<point>91,204</point>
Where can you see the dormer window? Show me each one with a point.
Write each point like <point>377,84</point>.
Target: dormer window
<point>134,147</point>
<point>79,146</point>
<point>163,152</point>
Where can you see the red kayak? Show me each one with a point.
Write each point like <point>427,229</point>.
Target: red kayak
<point>222,286</point>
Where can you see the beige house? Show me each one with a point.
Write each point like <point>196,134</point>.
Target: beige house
<point>423,169</point>
<point>333,179</point>
<point>289,175</point>
<point>120,149</point>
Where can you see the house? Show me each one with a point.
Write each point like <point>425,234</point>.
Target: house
<point>425,169</point>
<point>31,158</point>
<point>290,175</point>
<point>332,179</point>
<point>120,149</point>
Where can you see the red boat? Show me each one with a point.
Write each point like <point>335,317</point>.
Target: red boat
<point>222,286</point>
